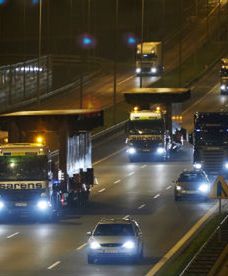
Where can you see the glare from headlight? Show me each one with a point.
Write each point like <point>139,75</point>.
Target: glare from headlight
<point>153,69</point>
<point>226,165</point>
<point>204,188</point>
<point>131,150</point>
<point>197,166</point>
<point>94,245</point>
<point>223,87</point>
<point>129,245</point>
<point>160,150</point>
<point>178,188</point>
<point>138,70</point>
<point>43,204</point>
<point>1,205</point>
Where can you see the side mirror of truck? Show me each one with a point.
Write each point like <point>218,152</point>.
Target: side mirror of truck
<point>89,233</point>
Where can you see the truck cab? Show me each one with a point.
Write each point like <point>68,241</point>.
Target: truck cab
<point>147,135</point>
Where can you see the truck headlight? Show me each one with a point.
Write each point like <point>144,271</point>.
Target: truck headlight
<point>94,245</point>
<point>2,205</point>
<point>131,150</point>
<point>129,245</point>
<point>43,204</point>
<point>226,165</point>
<point>197,166</point>
<point>138,70</point>
<point>178,188</point>
<point>204,188</point>
<point>160,150</point>
<point>223,87</point>
<point>153,70</point>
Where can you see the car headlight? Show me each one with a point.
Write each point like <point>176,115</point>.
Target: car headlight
<point>204,188</point>
<point>129,245</point>
<point>223,87</point>
<point>178,188</point>
<point>153,70</point>
<point>138,70</point>
<point>132,150</point>
<point>43,204</point>
<point>1,205</point>
<point>226,165</point>
<point>160,150</point>
<point>94,245</point>
<point>197,166</point>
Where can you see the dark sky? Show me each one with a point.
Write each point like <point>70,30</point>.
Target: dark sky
<point>64,21</point>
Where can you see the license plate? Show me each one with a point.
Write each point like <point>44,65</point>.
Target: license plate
<point>21,204</point>
<point>111,251</point>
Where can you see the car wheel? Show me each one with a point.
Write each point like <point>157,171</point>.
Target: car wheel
<point>90,259</point>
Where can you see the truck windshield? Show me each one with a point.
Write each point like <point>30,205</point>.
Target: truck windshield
<point>146,57</point>
<point>146,127</point>
<point>23,168</point>
<point>224,71</point>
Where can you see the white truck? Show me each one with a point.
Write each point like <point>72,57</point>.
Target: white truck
<point>25,184</point>
<point>149,59</point>
<point>147,135</point>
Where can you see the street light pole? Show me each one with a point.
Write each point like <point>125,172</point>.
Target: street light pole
<point>115,63</point>
<point>39,51</point>
<point>142,34</point>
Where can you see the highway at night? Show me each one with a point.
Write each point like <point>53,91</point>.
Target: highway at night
<point>141,190</point>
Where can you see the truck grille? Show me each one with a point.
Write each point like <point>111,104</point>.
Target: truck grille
<point>213,160</point>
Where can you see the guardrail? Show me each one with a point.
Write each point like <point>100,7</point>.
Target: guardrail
<point>205,258</point>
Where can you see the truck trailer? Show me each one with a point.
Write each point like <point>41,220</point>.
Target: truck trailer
<point>210,141</point>
<point>149,59</point>
<point>53,175</point>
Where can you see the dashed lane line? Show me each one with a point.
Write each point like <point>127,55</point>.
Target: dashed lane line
<point>157,195</point>
<point>169,187</point>
<point>141,206</point>
<point>102,190</point>
<point>81,246</point>
<point>126,217</point>
<point>13,235</point>
<point>117,181</point>
<point>54,265</point>
<point>131,173</point>
<point>143,166</point>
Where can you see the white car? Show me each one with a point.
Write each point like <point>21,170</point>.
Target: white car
<point>115,238</point>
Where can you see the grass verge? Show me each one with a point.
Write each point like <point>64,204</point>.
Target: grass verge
<point>177,264</point>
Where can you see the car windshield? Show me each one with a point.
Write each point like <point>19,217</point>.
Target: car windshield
<point>191,177</point>
<point>146,127</point>
<point>114,230</point>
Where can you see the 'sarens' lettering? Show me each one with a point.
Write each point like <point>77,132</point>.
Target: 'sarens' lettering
<point>21,186</point>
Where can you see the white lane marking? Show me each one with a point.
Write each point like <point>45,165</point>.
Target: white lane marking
<point>126,217</point>
<point>81,246</point>
<point>143,166</point>
<point>197,102</point>
<point>169,187</point>
<point>102,190</point>
<point>131,173</point>
<point>117,181</point>
<point>53,265</point>
<point>181,242</point>
<point>131,77</point>
<point>141,206</point>
<point>13,235</point>
<point>157,195</point>
<point>109,156</point>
